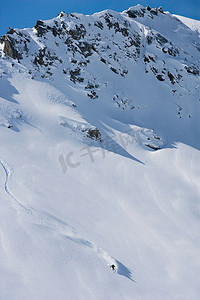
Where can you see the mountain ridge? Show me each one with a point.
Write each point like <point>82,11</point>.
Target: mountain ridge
<point>113,42</point>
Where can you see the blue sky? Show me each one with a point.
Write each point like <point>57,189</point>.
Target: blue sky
<point>24,13</point>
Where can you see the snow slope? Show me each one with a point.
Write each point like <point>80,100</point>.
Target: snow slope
<point>192,24</point>
<point>99,158</point>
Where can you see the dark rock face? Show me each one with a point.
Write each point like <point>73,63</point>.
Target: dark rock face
<point>154,12</point>
<point>146,59</point>
<point>78,33</point>
<point>136,13</point>
<point>160,10</point>
<point>94,134</point>
<point>161,39</point>
<point>10,30</point>
<point>149,39</point>
<point>114,70</point>
<point>46,57</point>
<point>173,51</point>
<point>160,77</point>
<point>192,70</point>
<point>41,28</point>
<point>171,77</point>
<point>99,24</point>
<point>153,147</point>
<point>75,75</point>
<point>142,12</point>
<point>9,48</point>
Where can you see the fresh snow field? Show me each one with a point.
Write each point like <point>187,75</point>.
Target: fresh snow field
<point>74,203</point>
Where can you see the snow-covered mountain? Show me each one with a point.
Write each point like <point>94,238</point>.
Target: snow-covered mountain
<point>99,157</point>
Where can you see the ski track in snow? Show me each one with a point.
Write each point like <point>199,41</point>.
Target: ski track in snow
<point>56,225</point>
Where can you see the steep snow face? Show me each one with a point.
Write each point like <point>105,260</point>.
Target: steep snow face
<point>99,157</point>
<point>192,24</point>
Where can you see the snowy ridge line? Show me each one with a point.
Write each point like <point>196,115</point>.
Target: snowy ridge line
<point>60,227</point>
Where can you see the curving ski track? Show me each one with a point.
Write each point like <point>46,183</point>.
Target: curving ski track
<point>62,228</point>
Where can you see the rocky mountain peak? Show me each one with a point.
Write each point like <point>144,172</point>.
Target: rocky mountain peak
<point>140,46</point>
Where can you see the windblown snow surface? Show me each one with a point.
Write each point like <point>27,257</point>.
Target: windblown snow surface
<point>99,158</point>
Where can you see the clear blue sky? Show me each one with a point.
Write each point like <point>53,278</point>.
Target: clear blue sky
<point>24,13</point>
